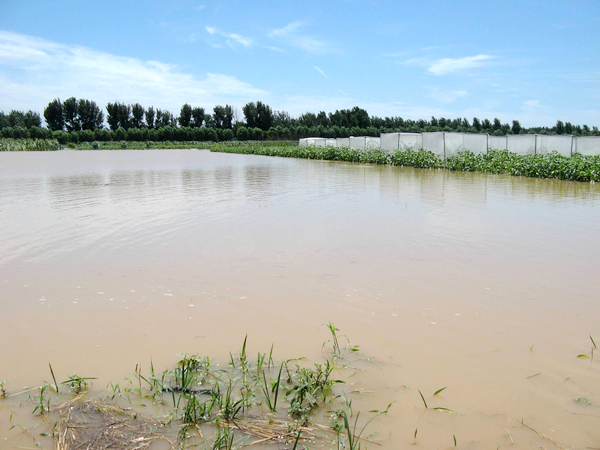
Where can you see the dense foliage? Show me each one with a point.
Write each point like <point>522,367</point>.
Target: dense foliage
<point>81,120</point>
<point>577,168</point>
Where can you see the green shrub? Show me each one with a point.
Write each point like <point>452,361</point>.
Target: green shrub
<point>242,134</point>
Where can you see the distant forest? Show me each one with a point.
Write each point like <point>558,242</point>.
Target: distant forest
<point>81,120</point>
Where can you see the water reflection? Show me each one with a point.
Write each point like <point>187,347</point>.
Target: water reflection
<point>258,182</point>
<point>128,195</point>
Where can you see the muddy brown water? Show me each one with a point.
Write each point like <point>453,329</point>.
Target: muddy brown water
<point>486,284</point>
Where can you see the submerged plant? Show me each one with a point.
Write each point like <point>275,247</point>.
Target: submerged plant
<point>260,399</point>
<point>77,384</point>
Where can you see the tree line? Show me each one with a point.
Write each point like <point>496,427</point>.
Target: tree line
<point>79,120</point>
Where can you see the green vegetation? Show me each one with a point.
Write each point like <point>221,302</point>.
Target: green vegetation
<point>82,120</point>
<point>137,145</point>
<point>577,168</point>
<point>200,403</point>
<point>34,145</point>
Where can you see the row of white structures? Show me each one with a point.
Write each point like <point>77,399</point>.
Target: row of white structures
<point>446,145</point>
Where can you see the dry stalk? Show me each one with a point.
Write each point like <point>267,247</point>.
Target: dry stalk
<point>542,435</point>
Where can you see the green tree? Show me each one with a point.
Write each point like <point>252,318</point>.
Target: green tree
<point>137,116</point>
<point>308,119</point>
<point>568,128</point>
<point>198,117</point>
<point>89,115</point>
<point>185,115</point>
<point>124,115</point>
<point>223,116</point>
<point>53,113</point>
<point>112,116</point>
<point>32,119</point>
<point>264,116</point>
<point>560,127</point>
<point>71,115</point>
<point>282,118</point>
<point>150,116</point>
<point>119,116</point>
<point>322,119</point>
<point>164,119</point>
<point>516,127</point>
<point>242,134</point>
<point>251,114</point>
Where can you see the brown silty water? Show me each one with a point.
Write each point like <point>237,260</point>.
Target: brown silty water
<point>487,285</point>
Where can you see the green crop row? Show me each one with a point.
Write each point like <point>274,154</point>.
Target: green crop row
<point>553,165</point>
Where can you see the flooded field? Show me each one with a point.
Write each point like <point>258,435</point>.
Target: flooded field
<point>486,285</point>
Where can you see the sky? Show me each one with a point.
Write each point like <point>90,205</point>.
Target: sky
<point>534,61</point>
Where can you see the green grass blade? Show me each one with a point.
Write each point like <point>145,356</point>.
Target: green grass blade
<point>438,391</point>
<point>445,410</point>
<point>423,398</point>
<point>54,378</point>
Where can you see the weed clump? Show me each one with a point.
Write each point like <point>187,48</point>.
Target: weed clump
<point>210,406</point>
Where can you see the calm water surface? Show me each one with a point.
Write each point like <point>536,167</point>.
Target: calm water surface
<point>112,258</point>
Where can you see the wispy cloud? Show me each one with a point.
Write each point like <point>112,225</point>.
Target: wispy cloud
<point>232,39</point>
<point>275,49</point>
<point>445,66</point>
<point>321,72</point>
<point>446,96</point>
<point>33,71</point>
<point>532,104</point>
<point>292,35</point>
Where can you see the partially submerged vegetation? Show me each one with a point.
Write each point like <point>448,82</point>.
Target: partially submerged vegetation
<point>576,168</point>
<point>199,403</point>
<point>35,145</point>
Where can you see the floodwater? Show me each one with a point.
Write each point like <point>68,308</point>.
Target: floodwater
<point>487,285</point>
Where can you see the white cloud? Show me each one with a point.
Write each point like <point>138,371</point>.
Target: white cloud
<point>321,72</point>
<point>291,35</point>
<point>232,39</point>
<point>33,71</point>
<point>446,96</point>
<point>532,104</point>
<point>448,65</point>
<point>275,49</point>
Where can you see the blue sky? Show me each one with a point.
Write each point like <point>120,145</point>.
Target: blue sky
<point>535,61</point>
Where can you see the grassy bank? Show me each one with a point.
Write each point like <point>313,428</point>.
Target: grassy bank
<point>577,168</point>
